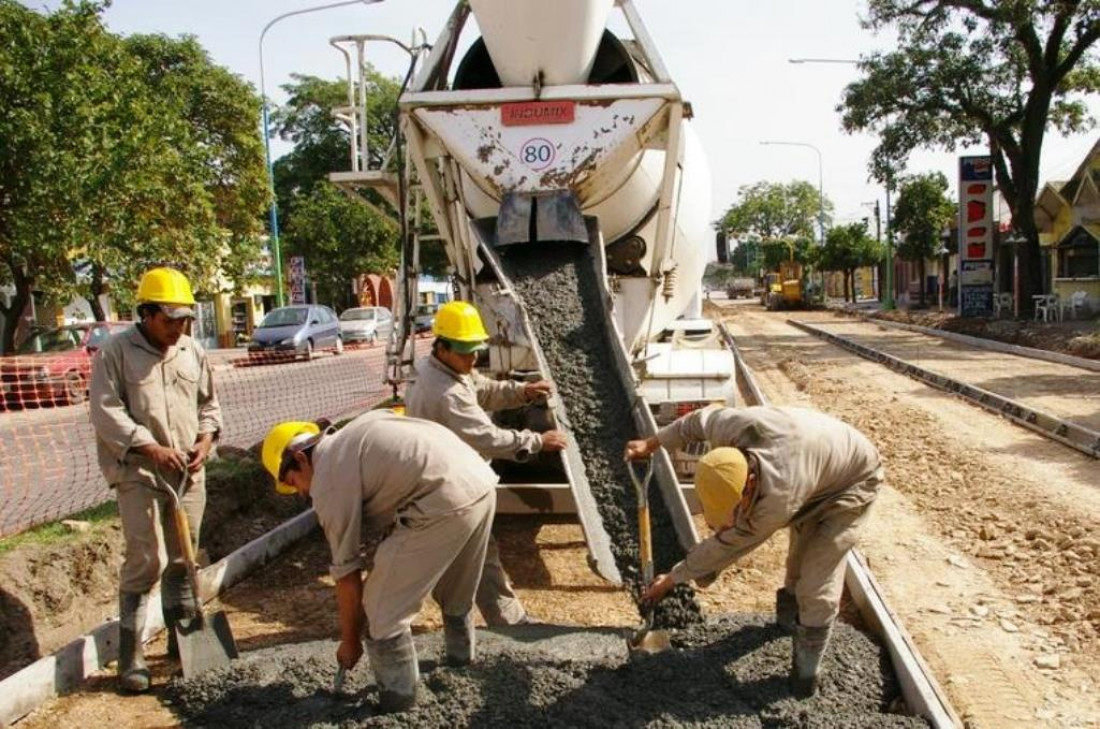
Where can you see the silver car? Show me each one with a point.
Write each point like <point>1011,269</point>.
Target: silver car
<point>366,325</point>
<point>298,330</point>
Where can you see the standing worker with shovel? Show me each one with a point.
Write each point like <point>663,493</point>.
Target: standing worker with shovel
<point>770,468</point>
<point>156,416</point>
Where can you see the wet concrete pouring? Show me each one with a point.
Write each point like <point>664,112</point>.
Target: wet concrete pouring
<point>729,671</point>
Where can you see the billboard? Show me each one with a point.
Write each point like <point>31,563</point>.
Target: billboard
<point>297,280</point>
<point>976,238</point>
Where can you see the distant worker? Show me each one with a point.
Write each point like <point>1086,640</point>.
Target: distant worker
<point>775,467</point>
<point>156,416</point>
<point>448,391</point>
<point>430,495</point>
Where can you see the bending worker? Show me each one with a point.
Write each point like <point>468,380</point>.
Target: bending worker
<point>435,499</point>
<point>775,467</point>
<point>155,413</point>
<point>448,391</point>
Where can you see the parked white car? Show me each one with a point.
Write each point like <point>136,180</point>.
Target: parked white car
<point>366,324</point>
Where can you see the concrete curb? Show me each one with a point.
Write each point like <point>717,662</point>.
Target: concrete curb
<point>991,344</point>
<point>67,668</point>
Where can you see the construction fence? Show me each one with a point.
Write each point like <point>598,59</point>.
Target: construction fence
<point>48,464</point>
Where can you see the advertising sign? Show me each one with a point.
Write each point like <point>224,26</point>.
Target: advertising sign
<point>297,280</point>
<point>976,239</point>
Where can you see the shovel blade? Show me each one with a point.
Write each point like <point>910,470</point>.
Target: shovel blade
<point>205,643</point>
<point>648,642</point>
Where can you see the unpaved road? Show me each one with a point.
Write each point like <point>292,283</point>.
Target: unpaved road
<point>983,545</point>
<point>987,544</point>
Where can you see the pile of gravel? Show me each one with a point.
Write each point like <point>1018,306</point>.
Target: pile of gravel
<point>561,293</point>
<point>731,672</point>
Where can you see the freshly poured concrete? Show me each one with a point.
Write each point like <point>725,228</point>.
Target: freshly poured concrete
<point>731,672</point>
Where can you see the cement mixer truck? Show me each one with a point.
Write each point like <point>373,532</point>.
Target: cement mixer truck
<point>571,195</point>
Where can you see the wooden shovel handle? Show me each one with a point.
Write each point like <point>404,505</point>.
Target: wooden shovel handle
<point>187,549</point>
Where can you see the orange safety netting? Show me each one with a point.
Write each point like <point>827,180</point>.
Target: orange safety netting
<point>48,463</point>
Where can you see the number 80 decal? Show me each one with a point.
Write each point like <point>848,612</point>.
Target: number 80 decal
<point>537,153</point>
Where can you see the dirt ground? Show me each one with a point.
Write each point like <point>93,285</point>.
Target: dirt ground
<point>993,571</point>
<point>987,540</point>
<point>52,593</point>
<point>1079,337</point>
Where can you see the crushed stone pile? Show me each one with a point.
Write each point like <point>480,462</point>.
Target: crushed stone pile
<point>561,293</point>
<point>730,672</point>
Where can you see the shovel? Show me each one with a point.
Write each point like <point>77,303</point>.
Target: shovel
<point>645,640</point>
<point>205,641</point>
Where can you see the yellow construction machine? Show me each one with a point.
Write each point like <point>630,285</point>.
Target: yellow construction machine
<point>783,288</point>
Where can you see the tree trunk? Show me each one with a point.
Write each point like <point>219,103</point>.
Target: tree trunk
<point>920,273</point>
<point>95,290</point>
<point>13,313</point>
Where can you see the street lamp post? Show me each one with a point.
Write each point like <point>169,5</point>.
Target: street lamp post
<point>820,181</point>
<point>273,213</point>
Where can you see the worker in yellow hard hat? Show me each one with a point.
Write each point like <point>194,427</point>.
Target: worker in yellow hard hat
<point>156,416</point>
<point>427,500</point>
<point>770,468</point>
<point>448,391</point>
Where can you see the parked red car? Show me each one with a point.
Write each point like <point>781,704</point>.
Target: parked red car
<point>54,365</point>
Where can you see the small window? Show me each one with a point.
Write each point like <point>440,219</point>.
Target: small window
<point>1079,256</point>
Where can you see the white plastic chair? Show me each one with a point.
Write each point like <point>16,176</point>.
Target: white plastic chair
<point>1078,300</point>
<point>1046,307</point>
<point>1002,302</point>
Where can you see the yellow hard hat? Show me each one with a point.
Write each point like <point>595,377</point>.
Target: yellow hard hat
<point>275,444</point>
<point>720,477</point>
<point>459,323</point>
<point>165,286</point>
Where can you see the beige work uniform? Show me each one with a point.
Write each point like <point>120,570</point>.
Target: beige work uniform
<point>141,396</point>
<point>462,403</point>
<point>384,471</point>
<point>817,475</point>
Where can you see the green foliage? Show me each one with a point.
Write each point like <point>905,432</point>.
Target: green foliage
<point>848,247</point>
<point>339,237</point>
<point>922,213</point>
<point>118,154</point>
<point>774,212</point>
<point>962,71</point>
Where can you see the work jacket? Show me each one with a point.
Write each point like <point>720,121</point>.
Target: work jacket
<point>141,396</point>
<point>808,463</point>
<point>383,467</point>
<point>462,403</point>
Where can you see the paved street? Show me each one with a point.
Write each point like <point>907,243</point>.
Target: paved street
<point>48,466</point>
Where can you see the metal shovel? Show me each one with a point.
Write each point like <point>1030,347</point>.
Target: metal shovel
<point>645,639</point>
<point>205,641</point>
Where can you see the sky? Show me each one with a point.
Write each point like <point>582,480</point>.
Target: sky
<point>730,59</point>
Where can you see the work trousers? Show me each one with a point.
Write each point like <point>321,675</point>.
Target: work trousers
<point>496,599</point>
<point>149,529</point>
<point>441,555</point>
<point>819,545</point>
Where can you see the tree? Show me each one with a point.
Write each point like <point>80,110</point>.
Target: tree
<point>113,157</point>
<point>772,211</point>
<point>339,238</point>
<point>922,213</point>
<point>316,216</point>
<point>964,70</point>
<point>848,247</point>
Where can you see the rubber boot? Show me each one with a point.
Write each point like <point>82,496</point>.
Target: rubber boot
<point>809,647</point>
<point>175,594</point>
<point>395,672</point>
<point>459,639</point>
<point>133,675</point>
<point>786,610</point>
